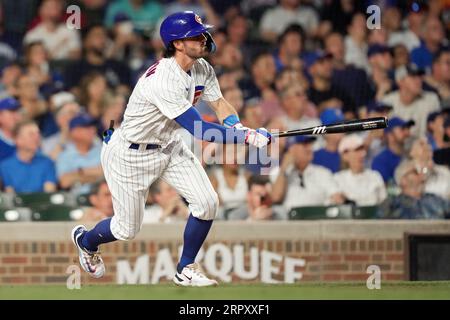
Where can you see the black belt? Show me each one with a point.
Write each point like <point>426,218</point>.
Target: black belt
<point>147,147</point>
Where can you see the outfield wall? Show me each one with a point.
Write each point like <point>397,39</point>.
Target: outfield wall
<point>290,251</point>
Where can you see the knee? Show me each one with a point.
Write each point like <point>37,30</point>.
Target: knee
<point>123,231</point>
<point>212,206</point>
<point>128,234</point>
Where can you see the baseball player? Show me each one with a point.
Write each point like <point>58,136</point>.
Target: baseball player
<point>146,148</point>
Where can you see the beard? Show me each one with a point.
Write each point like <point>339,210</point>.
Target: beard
<point>194,53</point>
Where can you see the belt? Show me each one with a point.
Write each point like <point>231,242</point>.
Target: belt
<point>147,147</point>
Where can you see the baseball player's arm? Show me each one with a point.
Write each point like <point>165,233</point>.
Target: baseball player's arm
<point>223,109</point>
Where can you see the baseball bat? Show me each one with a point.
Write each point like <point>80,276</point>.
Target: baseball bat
<point>347,126</point>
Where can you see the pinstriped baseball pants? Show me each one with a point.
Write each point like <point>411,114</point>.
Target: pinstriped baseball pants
<point>129,174</point>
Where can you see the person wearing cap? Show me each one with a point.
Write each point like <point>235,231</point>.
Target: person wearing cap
<point>437,177</point>
<point>79,164</point>
<point>374,139</point>
<point>410,101</point>
<point>9,117</point>
<point>365,187</point>
<point>439,78</point>
<point>322,92</point>
<point>27,170</point>
<point>328,156</point>
<point>413,202</point>
<point>380,71</point>
<point>432,39</point>
<point>297,182</point>
<point>397,132</point>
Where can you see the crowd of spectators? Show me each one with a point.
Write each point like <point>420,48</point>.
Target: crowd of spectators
<point>283,65</point>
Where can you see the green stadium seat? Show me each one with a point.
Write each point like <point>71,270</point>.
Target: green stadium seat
<point>321,212</point>
<point>366,212</point>
<point>15,214</point>
<point>54,212</point>
<point>83,200</point>
<point>42,198</point>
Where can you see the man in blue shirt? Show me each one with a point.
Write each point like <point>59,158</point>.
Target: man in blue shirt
<point>329,156</point>
<point>387,160</point>
<point>27,170</point>
<point>9,117</point>
<point>78,165</point>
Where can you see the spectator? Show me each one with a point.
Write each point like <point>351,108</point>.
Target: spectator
<point>229,181</point>
<point>27,170</point>
<point>351,180</point>
<point>433,36</point>
<point>436,177</point>
<point>435,130</point>
<point>94,94</point>
<point>298,182</point>
<point>355,42</point>
<point>168,205</point>
<point>79,164</point>
<point>322,92</point>
<point>351,79</point>
<point>410,102</point>
<point>9,118</point>
<point>400,56</point>
<point>101,201</point>
<point>290,47</point>
<point>61,42</point>
<point>387,160</point>
<point>274,21</point>
<point>259,204</point>
<point>439,79</point>
<point>413,202</point>
<point>337,15</point>
<point>410,37</point>
<point>8,85</point>
<point>144,14</point>
<point>53,145</point>
<point>94,59</point>
<point>374,139</point>
<point>295,105</point>
<point>381,70</point>
<point>113,111</point>
<point>329,156</point>
<point>260,83</point>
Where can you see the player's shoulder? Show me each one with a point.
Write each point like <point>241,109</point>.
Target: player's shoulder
<point>204,65</point>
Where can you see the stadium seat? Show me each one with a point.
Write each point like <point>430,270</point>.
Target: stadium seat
<point>42,198</point>
<point>365,212</point>
<point>15,214</point>
<point>83,200</point>
<point>321,212</point>
<point>52,212</point>
<point>6,200</point>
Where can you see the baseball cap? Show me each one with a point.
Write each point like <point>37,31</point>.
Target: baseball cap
<point>350,142</point>
<point>61,98</point>
<point>398,122</point>
<point>379,106</point>
<point>376,49</point>
<point>331,115</point>
<point>82,120</point>
<point>408,70</point>
<point>299,139</point>
<point>317,56</point>
<point>9,104</point>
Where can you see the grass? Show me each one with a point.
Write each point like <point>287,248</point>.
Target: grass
<point>303,291</point>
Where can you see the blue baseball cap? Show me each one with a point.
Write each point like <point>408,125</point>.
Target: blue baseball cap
<point>398,122</point>
<point>379,106</point>
<point>317,56</point>
<point>331,115</point>
<point>376,49</point>
<point>299,139</point>
<point>9,104</point>
<point>82,120</point>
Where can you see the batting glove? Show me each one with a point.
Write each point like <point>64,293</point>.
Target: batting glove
<point>258,138</point>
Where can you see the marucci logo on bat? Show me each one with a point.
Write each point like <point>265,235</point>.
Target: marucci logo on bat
<point>319,130</point>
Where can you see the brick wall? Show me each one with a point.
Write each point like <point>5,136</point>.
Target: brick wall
<point>329,254</point>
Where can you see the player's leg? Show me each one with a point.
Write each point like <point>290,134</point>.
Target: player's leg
<point>187,176</point>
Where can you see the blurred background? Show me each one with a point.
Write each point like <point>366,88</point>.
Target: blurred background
<point>283,65</point>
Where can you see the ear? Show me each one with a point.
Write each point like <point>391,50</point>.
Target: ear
<point>178,44</point>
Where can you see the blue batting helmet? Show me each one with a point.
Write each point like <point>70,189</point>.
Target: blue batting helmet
<point>182,25</point>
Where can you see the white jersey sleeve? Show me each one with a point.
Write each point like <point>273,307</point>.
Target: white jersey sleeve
<point>212,89</point>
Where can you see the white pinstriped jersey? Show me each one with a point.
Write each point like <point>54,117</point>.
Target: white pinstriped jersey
<point>164,92</point>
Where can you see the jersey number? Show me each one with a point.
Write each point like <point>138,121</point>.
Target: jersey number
<point>152,69</point>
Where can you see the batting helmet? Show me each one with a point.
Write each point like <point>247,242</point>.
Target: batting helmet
<point>182,25</point>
